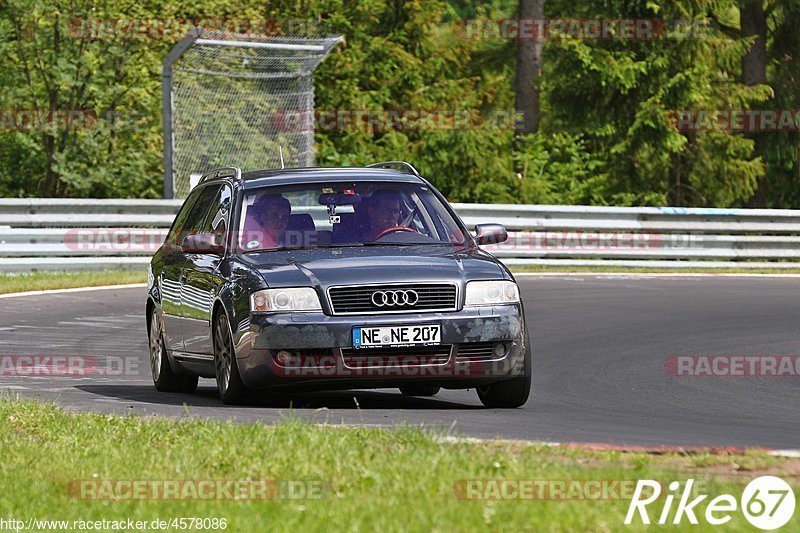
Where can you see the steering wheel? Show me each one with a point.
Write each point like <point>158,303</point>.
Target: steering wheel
<point>393,229</point>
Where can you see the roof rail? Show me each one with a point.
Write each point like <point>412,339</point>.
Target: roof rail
<point>390,164</point>
<point>223,172</point>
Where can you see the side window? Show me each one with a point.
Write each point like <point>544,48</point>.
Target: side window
<point>180,218</point>
<point>216,220</point>
<point>198,212</point>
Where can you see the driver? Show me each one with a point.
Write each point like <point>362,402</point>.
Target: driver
<point>384,213</point>
<point>272,212</point>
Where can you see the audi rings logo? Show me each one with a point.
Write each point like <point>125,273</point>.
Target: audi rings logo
<point>394,298</point>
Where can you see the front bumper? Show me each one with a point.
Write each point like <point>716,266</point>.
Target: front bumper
<point>323,354</point>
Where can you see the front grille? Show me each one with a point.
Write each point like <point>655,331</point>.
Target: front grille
<point>358,299</point>
<point>476,351</point>
<point>407,356</point>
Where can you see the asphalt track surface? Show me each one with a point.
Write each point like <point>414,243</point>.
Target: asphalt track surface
<point>600,345</point>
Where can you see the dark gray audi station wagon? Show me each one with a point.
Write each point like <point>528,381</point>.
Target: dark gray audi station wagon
<point>333,278</point>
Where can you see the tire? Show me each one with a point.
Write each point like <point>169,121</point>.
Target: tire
<point>229,383</point>
<point>510,393</point>
<point>164,378</point>
<point>420,389</point>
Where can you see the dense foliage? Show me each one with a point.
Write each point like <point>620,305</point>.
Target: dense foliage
<point>606,135</point>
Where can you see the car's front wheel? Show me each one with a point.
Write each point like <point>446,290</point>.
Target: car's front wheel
<point>164,378</point>
<point>229,382</point>
<point>510,393</point>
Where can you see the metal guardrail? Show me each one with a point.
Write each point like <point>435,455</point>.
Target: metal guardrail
<point>639,219</point>
<point>66,234</point>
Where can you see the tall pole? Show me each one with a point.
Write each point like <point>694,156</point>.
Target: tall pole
<point>529,74</point>
<point>167,124</point>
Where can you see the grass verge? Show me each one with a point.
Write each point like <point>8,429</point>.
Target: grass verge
<point>648,270</point>
<point>42,281</point>
<point>401,479</point>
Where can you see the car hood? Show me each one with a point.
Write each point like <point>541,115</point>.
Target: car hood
<point>325,267</point>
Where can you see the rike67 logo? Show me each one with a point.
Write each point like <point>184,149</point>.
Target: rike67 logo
<point>767,503</point>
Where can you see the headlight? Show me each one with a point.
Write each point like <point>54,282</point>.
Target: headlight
<point>491,293</point>
<point>284,300</point>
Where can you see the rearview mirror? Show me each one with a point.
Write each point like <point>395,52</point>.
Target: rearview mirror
<point>490,233</point>
<point>335,198</point>
<point>201,243</point>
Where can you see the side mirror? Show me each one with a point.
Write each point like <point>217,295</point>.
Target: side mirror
<point>490,233</point>
<point>201,243</point>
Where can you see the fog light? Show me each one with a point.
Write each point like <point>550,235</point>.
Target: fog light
<point>283,357</point>
<point>499,349</point>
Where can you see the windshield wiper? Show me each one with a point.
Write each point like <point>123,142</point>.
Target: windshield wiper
<point>378,243</point>
<point>306,247</point>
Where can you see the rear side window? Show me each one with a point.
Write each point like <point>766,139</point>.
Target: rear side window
<point>180,219</point>
<point>193,214</point>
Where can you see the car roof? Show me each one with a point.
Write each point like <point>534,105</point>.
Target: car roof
<point>292,176</point>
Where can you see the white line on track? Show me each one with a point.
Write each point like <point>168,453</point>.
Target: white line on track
<point>634,275</point>
<point>793,454</point>
<point>473,440</point>
<point>75,289</point>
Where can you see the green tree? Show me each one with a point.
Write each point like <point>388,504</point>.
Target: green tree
<point>606,134</point>
<point>781,150</point>
<point>619,95</point>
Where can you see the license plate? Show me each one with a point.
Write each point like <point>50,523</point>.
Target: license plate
<point>369,337</point>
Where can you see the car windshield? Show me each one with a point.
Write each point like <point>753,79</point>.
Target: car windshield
<point>345,214</point>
